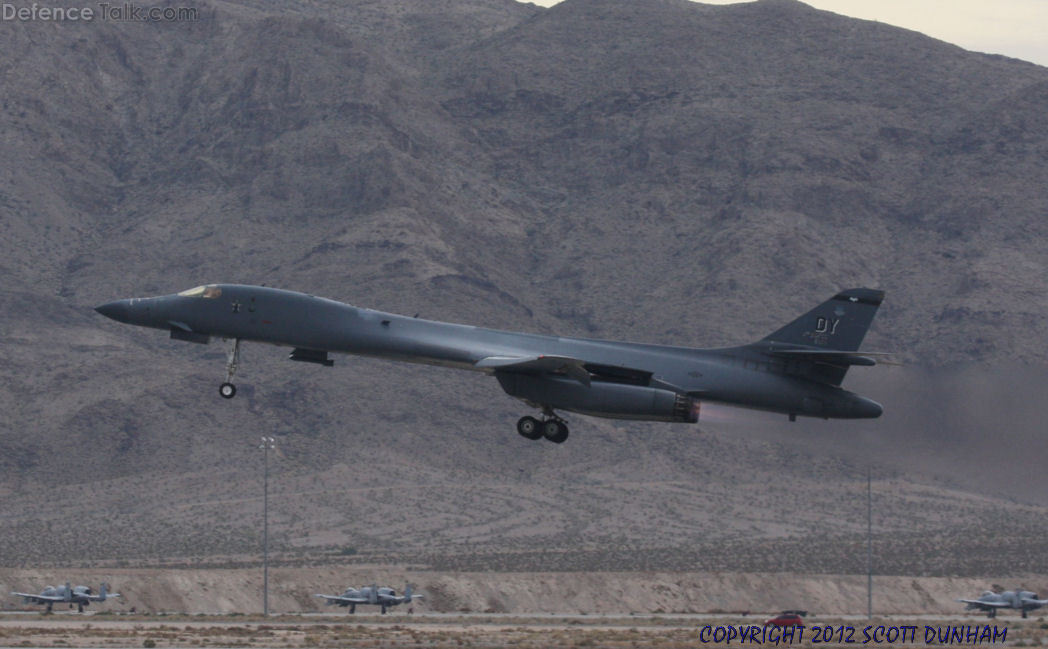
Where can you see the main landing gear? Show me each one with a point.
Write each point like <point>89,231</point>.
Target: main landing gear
<point>551,427</point>
<point>227,389</point>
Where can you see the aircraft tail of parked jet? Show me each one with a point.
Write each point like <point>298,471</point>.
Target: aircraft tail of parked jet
<point>103,593</point>
<point>410,595</point>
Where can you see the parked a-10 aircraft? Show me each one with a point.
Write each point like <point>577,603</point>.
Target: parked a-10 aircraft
<point>80,595</point>
<point>384,597</point>
<point>991,602</point>
<point>796,370</point>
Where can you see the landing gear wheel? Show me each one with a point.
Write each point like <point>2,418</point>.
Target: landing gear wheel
<point>227,389</point>
<point>555,431</point>
<point>529,427</point>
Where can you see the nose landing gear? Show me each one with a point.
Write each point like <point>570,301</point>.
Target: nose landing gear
<point>227,389</point>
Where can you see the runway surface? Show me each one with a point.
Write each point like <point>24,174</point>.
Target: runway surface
<point>549,631</point>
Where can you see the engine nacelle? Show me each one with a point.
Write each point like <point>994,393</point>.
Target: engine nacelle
<point>602,399</point>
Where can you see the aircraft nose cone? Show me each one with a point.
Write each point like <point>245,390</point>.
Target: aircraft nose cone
<point>119,310</point>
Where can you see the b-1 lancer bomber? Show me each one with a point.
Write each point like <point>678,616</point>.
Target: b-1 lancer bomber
<point>991,602</point>
<point>796,371</point>
<point>384,597</point>
<point>79,595</point>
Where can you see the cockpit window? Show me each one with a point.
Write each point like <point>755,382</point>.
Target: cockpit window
<point>210,291</point>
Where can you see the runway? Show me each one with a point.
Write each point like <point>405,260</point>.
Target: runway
<point>551,631</point>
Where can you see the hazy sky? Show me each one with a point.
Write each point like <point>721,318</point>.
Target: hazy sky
<point>1017,28</point>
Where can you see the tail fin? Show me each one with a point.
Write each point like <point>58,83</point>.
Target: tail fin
<point>838,324</point>
<point>823,343</point>
<point>407,592</point>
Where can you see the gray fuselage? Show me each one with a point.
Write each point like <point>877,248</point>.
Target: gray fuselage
<point>746,376</point>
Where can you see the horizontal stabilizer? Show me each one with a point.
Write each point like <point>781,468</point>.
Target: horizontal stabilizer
<point>829,356</point>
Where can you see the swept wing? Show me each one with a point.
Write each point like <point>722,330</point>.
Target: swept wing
<point>344,600</point>
<point>571,367</point>
<point>37,597</point>
<point>985,604</point>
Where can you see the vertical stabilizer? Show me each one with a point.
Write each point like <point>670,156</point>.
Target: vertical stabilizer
<point>839,323</point>
<point>821,344</point>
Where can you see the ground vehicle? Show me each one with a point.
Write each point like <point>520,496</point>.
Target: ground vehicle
<point>785,619</point>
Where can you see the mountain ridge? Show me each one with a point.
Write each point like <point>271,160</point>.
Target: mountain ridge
<point>658,172</point>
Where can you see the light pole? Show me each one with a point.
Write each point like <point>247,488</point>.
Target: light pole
<point>869,543</point>
<point>267,443</point>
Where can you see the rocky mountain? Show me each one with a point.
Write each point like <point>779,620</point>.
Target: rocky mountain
<point>655,170</point>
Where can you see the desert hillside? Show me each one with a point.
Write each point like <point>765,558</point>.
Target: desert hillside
<point>651,170</point>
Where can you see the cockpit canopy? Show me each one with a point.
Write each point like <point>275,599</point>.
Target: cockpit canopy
<point>209,291</point>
